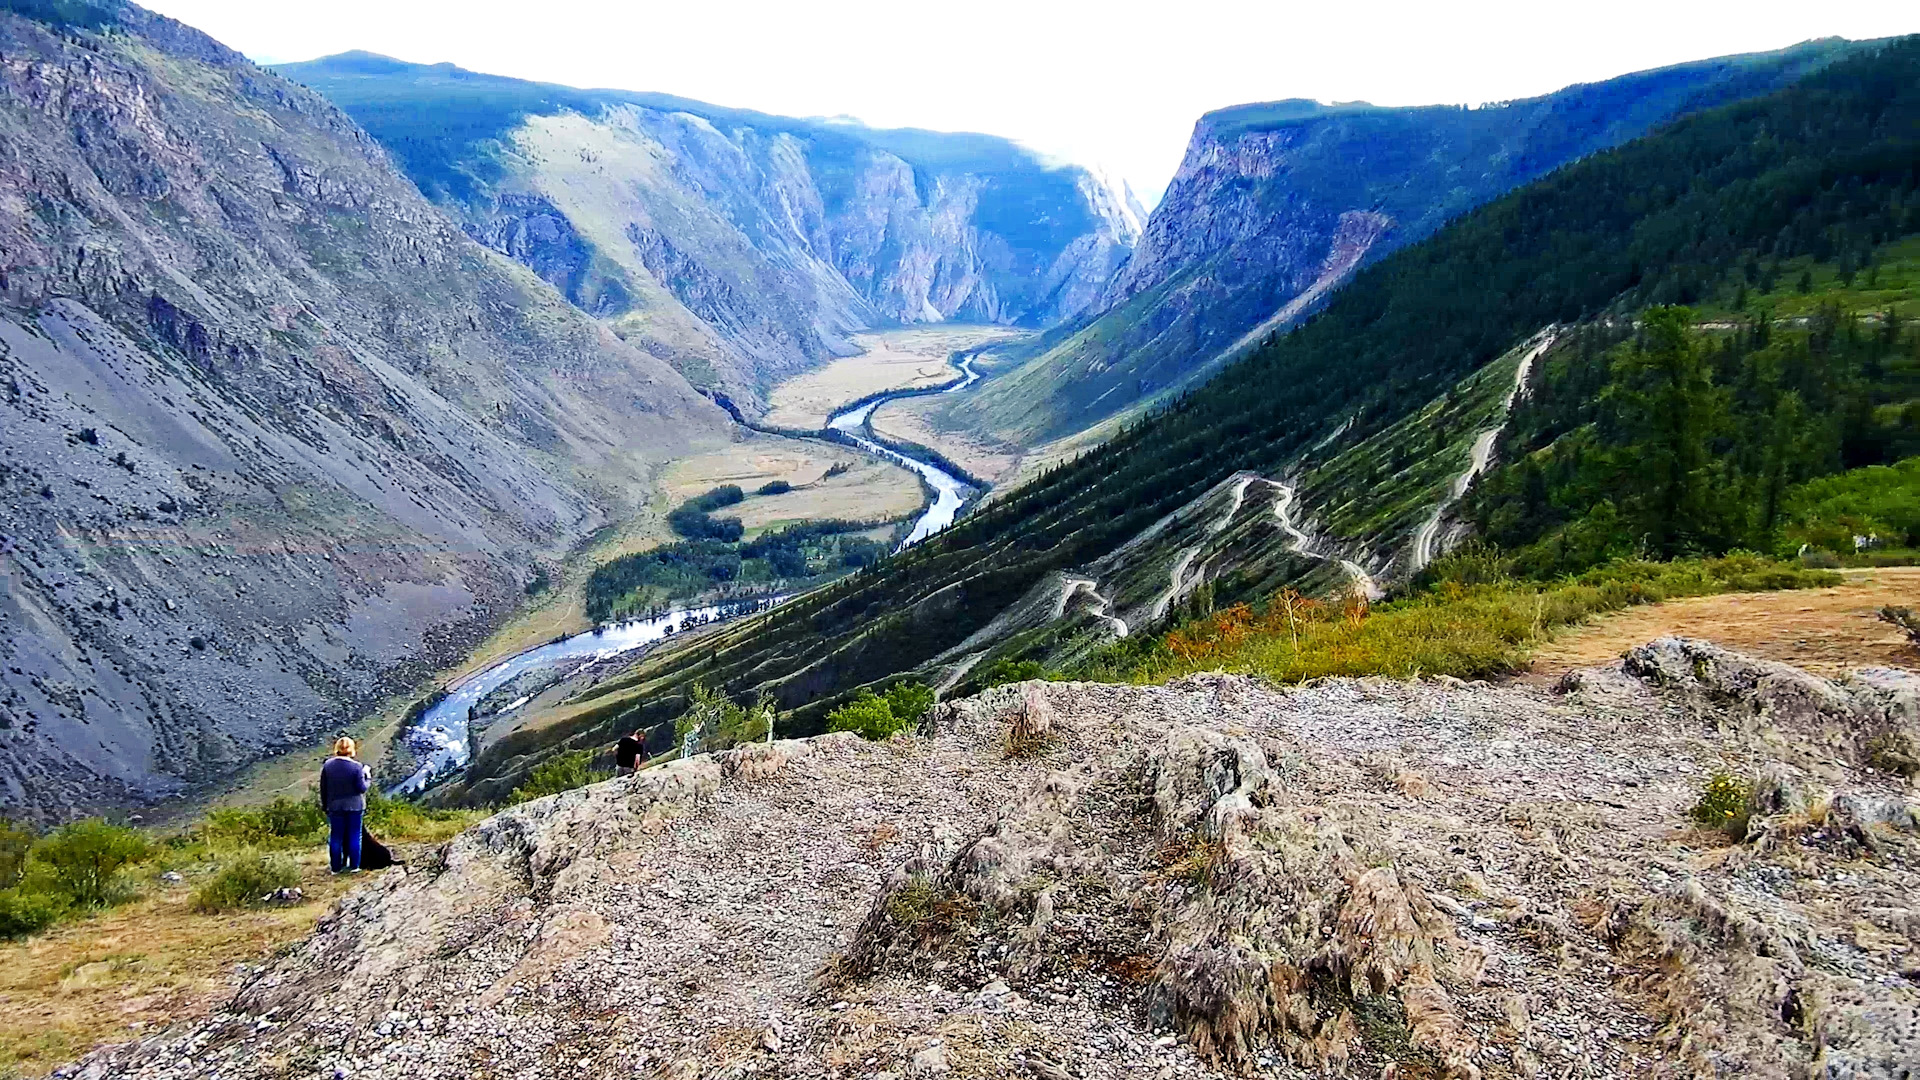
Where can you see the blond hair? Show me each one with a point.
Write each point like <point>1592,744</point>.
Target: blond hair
<point>343,747</point>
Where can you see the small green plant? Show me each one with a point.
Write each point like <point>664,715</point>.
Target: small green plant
<point>875,716</point>
<point>1905,620</point>
<point>15,841</point>
<point>84,859</point>
<point>1894,752</point>
<point>26,911</point>
<point>281,821</point>
<point>563,772</point>
<point>247,881</point>
<point>928,908</point>
<point>1013,671</point>
<point>1724,803</point>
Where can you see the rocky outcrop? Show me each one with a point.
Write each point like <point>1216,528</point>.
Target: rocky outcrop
<point>1210,878</point>
<point>276,439</point>
<point>1276,204</point>
<point>774,238</point>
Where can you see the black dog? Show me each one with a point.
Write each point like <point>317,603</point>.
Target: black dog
<point>374,855</point>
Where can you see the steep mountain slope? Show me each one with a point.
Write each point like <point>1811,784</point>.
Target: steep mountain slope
<point>744,247</point>
<point>1659,220</point>
<point>275,437</point>
<point>1277,204</point>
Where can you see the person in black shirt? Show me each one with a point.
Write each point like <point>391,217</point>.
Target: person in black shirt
<point>630,753</point>
<point>343,794</point>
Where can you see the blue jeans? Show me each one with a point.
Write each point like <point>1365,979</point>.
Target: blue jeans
<point>343,839</point>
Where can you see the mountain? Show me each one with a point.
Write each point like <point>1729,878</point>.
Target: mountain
<point>1331,453</point>
<point>1277,204</point>
<point>739,246</point>
<point>276,437</point>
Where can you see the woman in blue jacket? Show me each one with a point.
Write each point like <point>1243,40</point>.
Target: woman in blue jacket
<point>343,792</point>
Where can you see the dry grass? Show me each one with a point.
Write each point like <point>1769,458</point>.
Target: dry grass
<point>1826,631</point>
<point>893,360</point>
<point>110,977</point>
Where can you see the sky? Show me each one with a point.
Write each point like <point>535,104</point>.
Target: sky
<point>1108,85</point>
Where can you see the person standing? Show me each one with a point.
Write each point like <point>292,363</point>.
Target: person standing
<point>343,793</point>
<point>630,753</point>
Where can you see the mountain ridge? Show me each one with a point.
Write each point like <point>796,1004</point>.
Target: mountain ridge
<point>763,241</point>
<point>1263,211</point>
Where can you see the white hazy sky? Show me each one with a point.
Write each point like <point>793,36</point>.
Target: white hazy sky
<point>1107,84</point>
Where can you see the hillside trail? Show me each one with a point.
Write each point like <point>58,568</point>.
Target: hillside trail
<point>1426,539</point>
<point>1299,544</point>
<point>1210,878</point>
<point>1826,631</point>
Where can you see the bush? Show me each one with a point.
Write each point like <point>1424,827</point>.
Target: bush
<point>245,882</point>
<point>277,822</point>
<point>909,701</point>
<point>873,716</point>
<point>565,772</point>
<point>27,911</point>
<point>15,841</point>
<point>1723,804</point>
<point>775,487</point>
<point>85,859</point>
<point>1013,671</point>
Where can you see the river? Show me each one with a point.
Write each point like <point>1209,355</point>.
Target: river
<point>949,491</point>
<point>442,739</point>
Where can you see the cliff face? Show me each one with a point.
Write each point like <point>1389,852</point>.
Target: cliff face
<point>1276,204</point>
<point>741,246</point>
<point>275,437</point>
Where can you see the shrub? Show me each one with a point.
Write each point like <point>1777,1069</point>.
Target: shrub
<point>775,487</point>
<point>245,882</point>
<point>909,701</point>
<point>1013,671</point>
<point>561,773</point>
<point>1723,804</point>
<point>874,716</point>
<point>15,841</point>
<point>277,822</point>
<point>867,715</point>
<point>85,859</point>
<point>27,911</point>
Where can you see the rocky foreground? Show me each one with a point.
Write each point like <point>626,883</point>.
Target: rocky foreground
<point>1209,878</point>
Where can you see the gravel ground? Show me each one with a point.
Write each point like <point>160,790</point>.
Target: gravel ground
<point>1214,877</point>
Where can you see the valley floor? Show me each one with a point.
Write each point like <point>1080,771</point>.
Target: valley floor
<point>1207,878</point>
<point>893,360</point>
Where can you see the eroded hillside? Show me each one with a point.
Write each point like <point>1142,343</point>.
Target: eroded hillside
<point>277,437</point>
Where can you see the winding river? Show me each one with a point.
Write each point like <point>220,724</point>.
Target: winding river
<point>949,491</point>
<point>442,739</point>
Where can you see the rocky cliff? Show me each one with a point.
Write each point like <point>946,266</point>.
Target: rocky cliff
<point>1276,204</point>
<point>1213,878</point>
<point>275,436</point>
<point>743,247</point>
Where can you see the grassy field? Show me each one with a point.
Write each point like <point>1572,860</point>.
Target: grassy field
<point>893,360</point>
<point>109,974</point>
<point>868,490</point>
